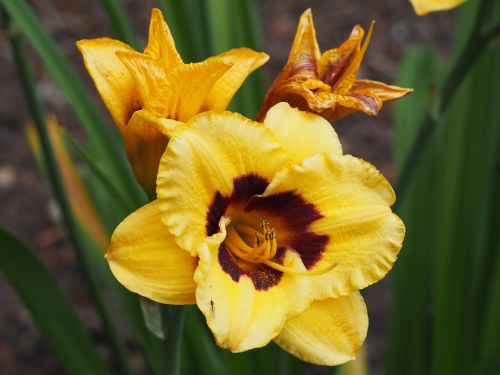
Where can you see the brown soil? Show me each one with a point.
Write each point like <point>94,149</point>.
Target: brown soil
<point>27,204</point>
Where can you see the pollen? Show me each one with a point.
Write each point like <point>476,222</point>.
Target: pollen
<point>264,248</point>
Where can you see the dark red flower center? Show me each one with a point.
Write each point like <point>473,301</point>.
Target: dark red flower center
<point>290,216</point>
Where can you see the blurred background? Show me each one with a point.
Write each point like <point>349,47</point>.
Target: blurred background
<point>29,209</point>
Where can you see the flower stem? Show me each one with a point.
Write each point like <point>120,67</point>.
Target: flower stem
<point>476,44</point>
<point>173,329</point>
<point>37,112</point>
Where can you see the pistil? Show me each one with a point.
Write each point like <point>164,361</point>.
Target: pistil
<point>264,248</point>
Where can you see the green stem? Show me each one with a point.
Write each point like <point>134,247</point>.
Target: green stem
<point>475,46</point>
<point>173,329</point>
<point>37,111</point>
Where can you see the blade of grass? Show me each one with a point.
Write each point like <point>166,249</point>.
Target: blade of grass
<point>52,312</point>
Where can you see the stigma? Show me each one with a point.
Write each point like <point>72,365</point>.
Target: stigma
<point>264,248</point>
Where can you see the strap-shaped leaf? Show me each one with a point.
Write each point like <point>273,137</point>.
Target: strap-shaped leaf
<point>54,315</point>
<point>100,138</point>
<point>119,21</point>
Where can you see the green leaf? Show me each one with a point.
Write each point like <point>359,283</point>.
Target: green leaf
<point>119,21</point>
<point>187,22</point>
<point>111,199</point>
<point>418,71</point>
<point>465,247</point>
<point>409,324</point>
<point>49,307</point>
<point>234,24</point>
<point>445,317</point>
<point>75,92</point>
<point>489,288</point>
<point>246,26</point>
<point>203,353</point>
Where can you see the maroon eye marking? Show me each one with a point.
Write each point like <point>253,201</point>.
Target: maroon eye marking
<point>290,208</point>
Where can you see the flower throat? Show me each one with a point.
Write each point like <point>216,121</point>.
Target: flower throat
<point>264,248</point>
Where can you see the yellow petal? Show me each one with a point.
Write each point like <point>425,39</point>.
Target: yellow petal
<point>146,137</point>
<point>112,79</point>
<point>240,316</point>
<point>309,95</point>
<point>330,332</point>
<point>305,38</point>
<point>301,134</point>
<point>243,62</point>
<point>161,45</point>
<point>423,7</point>
<point>301,63</point>
<point>348,77</point>
<point>334,62</point>
<point>367,103</point>
<point>203,162</point>
<point>178,94</point>
<point>365,96</point>
<point>354,200</point>
<point>383,91</point>
<point>144,257</point>
<point>147,72</point>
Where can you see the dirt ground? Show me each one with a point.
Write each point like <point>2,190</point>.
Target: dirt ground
<point>27,206</point>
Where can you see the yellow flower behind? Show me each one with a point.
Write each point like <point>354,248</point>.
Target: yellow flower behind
<point>422,7</point>
<point>147,93</point>
<point>268,228</point>
<point>325,83</point>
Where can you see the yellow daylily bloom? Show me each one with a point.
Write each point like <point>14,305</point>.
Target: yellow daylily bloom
<point>162,88</point>
<point>422,7</point>
<point>268,228</point>
<point>325,83</point>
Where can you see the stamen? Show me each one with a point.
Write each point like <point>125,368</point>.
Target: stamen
<point>264,224</point>
<point>233,237</point>
<point>264,249</point>
<point>249,231</point>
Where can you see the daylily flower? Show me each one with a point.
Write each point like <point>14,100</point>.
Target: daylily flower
<point>268,228</point>
<point>423,7</point>
<point>326,83</point>
<point>143,91</point>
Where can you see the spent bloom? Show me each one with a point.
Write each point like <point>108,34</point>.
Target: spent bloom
<point>423,7</point>
<point>147,93</point>
<point>325,83</point>
<point>268,228</point>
